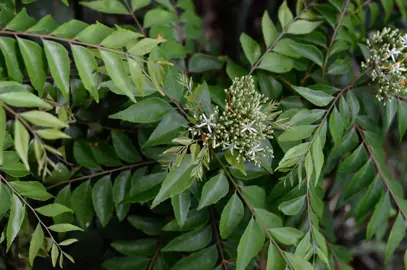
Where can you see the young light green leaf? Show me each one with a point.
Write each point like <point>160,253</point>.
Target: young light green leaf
<point>269,30</point>
<point>51,134</point>
<point>43,119</point>
<point>136,113</point>
<point>24,99</point>
<point>292,207</point>
<point>17,214</point>
<point>285,15</point>
<point>68,242</point>
<point>52,210</point>
<point>190,241</point>
<point>145,46</point>
<point>178,180</point>
<point>297,133</point>
<point>180,205</point>
<point>21,141</point>
<point>37,241</point>
<point>231,216</point>
<point>301,27</point>
<point>59,64</point>
<point>34,61</point>
<point>318,98</point>
<point>250,47</point>
<point>214,190</point>
<point>287,235</point>
<point>64,228</point>
<point>102,198</point>
<point>250,244</point>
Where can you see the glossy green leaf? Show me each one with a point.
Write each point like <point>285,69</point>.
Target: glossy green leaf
<point>5,199</point>
<point>310,52</point>
<point>82,204</point>
<point>255,195</point>
<point>120,188</point>
<point>121,38</point>
<point>190,241</point>
<point>231,216</point>
<point>298,263</point>
<point>44,26</point>
<point>147,225</point>
<point>396,236</point>
<point>109,7</point>
<point>3,132</point>
<point>137,4</point>
<point>250,47</point>
<point>23,99</point>
<point>301,27</point>
<point>180,205</point>
<point>204,259</point>
<point>285,15</point>
<point>43,119</point>
<point>126,263</point>
<point>102,198</point>
<point>52,134</point>
<point>250,244</point>
<point>21,22</point>
<point>145,46</point>
<point>267,219</point>
<point>297,133</point>
<point>124,147</point>
<point>214,190</point>
<point>144,188</point>
<point>360,180</point>
<point>21,141</point>
<point>269,30</point>
<point>52,210</point>
<point>292,207</point>
<point>277,63</point>
<point>336,126</point>
<point>59,64</point>
<point>36,243</point>
<point>380,215</point>
<point>31,189</point>
<point>83,154</point>
<point>64,228</point>
<point>142,247</point>
<point>275,260</point>
<point>17,214</point>
<point>8,47</point>
<point>70,29</point>
<point>202,62</point>
<point>286,235</point>
<point>318,98</point>
<point>158,16</point>
<point>167,130</point>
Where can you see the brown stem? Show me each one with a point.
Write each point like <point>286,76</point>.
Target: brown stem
<point>218,240</point>
<point>131,13</point>
<point>155,256</point>
<point>127,167</point>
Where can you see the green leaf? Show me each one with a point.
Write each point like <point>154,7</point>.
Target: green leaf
<point>190,241</point>
<point>87,66</point>
<point>402,118</point>
<point>102,198</point>
<point>275,260</point>
<point>109,7</point>
<point>52,210</point>
<point>144,188</point>
<point>396,236</point>
<point>297,133</point>
<point>214,190</point>
<point>194,220</point>
<point>360,180</point>
<point>124,147</point>
<point>255,195</point>
<point>44,26</point>
<point>3,132</point>
<point>83,154</point>
<point>355,160</point>
<point>167,130</point>
<point>137,4</point>
<point>178,180</point>
<point>31,189</point>
<point>64,228</point>
<point>51,134</point>
<point>59,64</point>
<point>17,214</point>
<point>286,235</point>
<point>336,126</point>
<point>121,38</point>
<point>34,61</point>
<point>200,63</point>
<point>310,52</point>
<point>250,244</point>
<point>82,204</point>
<point>70,29</point>
<point>145,46</point>
<point>136,113</point>
<point>269,30</point>
<point>21,141</point>
<point>204,259</point>
<point>37,241</point>
<point>402,7</point>
<point>268,219</point>
<point>142,247</point>
<point>301,27</point>
<point>149,226</point>
<point>94,34</point>
<point>231,216</point>
<point>8,47</point>
<point>317,156</point>
<point>297,262</point>
<point>251,48</point>
<point>340,67</point>
<point>126,263</point>
<point>24,99</point>
<point>158,16</point>
<point>317,98</point>
<point>105,154</point>
<point>277,63</point>
<point>117,72</point>
<point>68,242</point>
<point>5,199</point>
<point>120,188</point>
<point>292,207</point>
<point>21,22</point>
<point>380,215</point>
<point>180,204</point>
<point>293,154</point>
<point>43,119</point>
<point>284,15</point>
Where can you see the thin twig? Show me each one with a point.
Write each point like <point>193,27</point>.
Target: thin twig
<point>218,240</point>
<point>155,256</point>
<point>338,26</point>
<point>127,167</point>
<point>131,13</point>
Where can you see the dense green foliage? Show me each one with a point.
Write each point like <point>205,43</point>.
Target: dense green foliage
<point>138,147</point>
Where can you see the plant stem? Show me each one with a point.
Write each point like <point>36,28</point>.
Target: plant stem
<point>131,13</point>
<point>218,240</point>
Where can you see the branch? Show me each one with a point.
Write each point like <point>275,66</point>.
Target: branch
<point>127,167</point>
<point>218,240</point>
<point>131,13</point>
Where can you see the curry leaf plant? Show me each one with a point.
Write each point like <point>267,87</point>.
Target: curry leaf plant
<point>141,146</point>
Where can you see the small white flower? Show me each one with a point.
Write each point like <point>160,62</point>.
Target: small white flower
<point>405,40</point>
<point>392,53</point>
<point>231,146</point>
<point>208,122</point>
<point>248,127</point>
<point>397,68</point>
<point>254,150</point>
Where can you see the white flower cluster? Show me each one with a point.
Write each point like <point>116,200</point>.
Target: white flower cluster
<point>242,126</point>
<point>388,62</point>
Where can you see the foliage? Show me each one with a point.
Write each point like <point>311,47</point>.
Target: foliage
<point>173,157</point>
